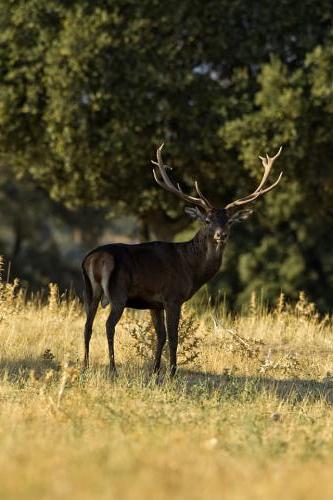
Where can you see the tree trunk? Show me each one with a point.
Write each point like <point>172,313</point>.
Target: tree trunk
<point>18,238</point>
<point>159,225</point>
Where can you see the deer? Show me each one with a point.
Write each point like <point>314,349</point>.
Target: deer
<point>161,276</point>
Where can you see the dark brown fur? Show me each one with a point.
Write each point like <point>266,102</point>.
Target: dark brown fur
<point>159,276</point>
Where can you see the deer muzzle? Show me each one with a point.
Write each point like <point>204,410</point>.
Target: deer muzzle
<point>220,236</point>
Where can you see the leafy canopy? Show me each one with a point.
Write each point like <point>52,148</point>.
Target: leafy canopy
<point>89,89</point>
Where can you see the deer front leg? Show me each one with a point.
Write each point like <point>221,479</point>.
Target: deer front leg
<point>172,313</point>
<point>158,320</point>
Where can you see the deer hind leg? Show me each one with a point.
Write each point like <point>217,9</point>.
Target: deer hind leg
<point>97,268</point>
<point>92,295</point>
<point>91,309</point>
<point>172,313</point>
<point>158,320</point>
<point>114,316</point>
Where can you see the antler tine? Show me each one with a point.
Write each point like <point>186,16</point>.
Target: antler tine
<point>167,184</point>
<point>267,164</point>
<point>196,185</point>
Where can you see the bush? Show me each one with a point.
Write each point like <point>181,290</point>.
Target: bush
<point>140,327</point>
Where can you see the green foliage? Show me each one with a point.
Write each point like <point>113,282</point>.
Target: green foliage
<point>294,108</point>
<point>89,89</point>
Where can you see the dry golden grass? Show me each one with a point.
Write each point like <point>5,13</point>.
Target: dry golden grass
<point>250,417</point>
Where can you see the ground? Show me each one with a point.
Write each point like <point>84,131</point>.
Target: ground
<point>250,417</point>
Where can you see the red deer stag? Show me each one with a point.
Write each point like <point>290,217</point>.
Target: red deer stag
<point>161,276</point>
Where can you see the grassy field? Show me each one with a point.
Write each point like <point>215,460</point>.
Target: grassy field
<point>250,416</point>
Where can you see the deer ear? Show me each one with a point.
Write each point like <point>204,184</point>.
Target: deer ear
<point>194,213</point>
<point>240,216</point>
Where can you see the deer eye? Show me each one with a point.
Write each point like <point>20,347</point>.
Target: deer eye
<point>207,220</point>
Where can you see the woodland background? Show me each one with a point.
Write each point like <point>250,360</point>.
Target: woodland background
<point>88,90</point>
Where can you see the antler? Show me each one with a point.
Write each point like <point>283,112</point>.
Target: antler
<point>167,184</point>
<point>267,163</point>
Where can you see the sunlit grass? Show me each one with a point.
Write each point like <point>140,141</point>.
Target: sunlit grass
<point>250,417</point>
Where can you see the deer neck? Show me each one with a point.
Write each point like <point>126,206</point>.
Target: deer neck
<point>204,255</point>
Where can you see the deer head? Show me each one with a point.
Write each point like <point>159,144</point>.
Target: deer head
<point>217,220</point>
